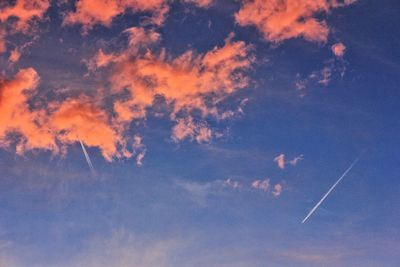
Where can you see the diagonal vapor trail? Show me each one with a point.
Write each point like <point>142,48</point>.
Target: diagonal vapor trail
<point>89,162</point>
<point>329,191</point>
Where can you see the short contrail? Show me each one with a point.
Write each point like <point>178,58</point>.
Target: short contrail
<point>89,162</point>
<point>330,190</point>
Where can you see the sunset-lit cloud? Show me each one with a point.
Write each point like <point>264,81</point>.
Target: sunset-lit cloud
<point>91,12</point>
<point>74,120</point>
<point>262,185</point>
<point>189,82</point>
<point>174,133</point>
<point>146,75</point>
<point>18,118</point>
<point>24,12</point>
<point>277,190</point>
<point>296,159</point>
<point>280,161</point>
<point>338,49</point>
<point>21,16</point>
<point>280,20</point>
<point>15,55</point>
<point>57,125</point>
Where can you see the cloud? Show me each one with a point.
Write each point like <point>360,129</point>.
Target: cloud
<point>25,12</point>
<point>3,45</point>
<point>189,82</point>
<point>295,160</point>
<point>18,117</point>
<point>139,149</point>
<point>262,185</point>
<point>186,128</point>
<point>277,190</point>
<point>323,76</point>
<point>15,55</point>
<point>266,187</point>
<point>338,49</point>
<point>20,16</point>
<point>280,161</point>
<point>279,20</point>
<point>88,13</point>
<point>80,119</point>
<point>56,125</point>
<point>232,183</point>
<point>124,249</point>
<point>200,3</point>
<point>199,193</point>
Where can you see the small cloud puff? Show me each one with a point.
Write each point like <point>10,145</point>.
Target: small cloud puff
<point>280,161</point>
<point>338,49</point>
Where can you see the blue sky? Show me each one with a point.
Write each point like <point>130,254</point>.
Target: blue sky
<point>199,187</point>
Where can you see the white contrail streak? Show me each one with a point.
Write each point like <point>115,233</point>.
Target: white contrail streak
<point>89,162</point>
<point>330,190</point>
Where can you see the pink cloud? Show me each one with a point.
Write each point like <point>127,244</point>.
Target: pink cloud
<point>338,49</point>
<point>277,190</point>
<point>262,185</point>
<point>24,11</point>
<point>184,82</point>
<point>280,161</point>
<point>20,17</point>
<point>15,55</point>
<point>17,117</point>
<point>279,20</point>
<point>91,12</point>
<point>295,160</point>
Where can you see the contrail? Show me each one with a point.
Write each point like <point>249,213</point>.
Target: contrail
<point>330,190</point>
<point>89,162</point>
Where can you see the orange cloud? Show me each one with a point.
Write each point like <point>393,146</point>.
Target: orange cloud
<point>3,47</point>
<point>24,11</point>
<point>91,12</point>
<point>17,116</point>
<point>15,55</point>
<point>56,126</point>
<point>21,16</point>
<point>338,49</point>
<point>79,119</point>
<point>279,20</point>
<point>188,82</point>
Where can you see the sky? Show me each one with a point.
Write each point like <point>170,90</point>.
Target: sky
<point>157,133</point>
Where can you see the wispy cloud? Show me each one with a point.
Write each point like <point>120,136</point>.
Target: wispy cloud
<point>296,159</point>
<point>262,185</point>
<point>277,190</point>
<point>280,161</point>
